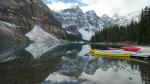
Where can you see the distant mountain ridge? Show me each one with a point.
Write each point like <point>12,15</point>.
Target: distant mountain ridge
<point>84,25</point>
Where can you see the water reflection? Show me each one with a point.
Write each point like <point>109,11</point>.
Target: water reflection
<point>100,71</point>
<point>38,49</point>
<point>68,64</point>
<point>27,70</point>
<point>7,52</point>
<point>85,49</point>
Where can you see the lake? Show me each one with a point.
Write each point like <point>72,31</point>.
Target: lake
<point>45,63</point>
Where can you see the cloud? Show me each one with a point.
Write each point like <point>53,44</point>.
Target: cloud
<point>101,7</point>
<point>57,6</point>
<point>111,7</point>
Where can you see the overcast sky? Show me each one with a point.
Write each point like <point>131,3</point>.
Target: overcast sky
<point>110,7</point>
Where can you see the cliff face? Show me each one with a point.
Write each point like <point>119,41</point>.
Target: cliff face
<point>8,34</point>
<point>25,14</point>
<point>75,23</point>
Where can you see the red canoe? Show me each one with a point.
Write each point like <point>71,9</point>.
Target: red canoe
<point>131,48</point>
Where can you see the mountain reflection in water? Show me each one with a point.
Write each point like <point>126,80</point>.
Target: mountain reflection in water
<point>38,49</point>
<point>67,64</point>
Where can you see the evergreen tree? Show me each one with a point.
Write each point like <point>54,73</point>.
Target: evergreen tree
<point>134,32</point>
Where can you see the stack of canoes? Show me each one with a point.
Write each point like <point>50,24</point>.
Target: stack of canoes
<point>123,52</point>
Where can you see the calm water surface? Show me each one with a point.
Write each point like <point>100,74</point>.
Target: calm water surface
<point>43,63</point>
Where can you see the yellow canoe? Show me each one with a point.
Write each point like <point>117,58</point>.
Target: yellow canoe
<point>108,54</point>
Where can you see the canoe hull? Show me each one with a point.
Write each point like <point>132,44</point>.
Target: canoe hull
<point>105,54</point>
<point>131,48</point>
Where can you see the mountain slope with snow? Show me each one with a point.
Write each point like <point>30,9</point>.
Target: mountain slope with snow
<point>125,20</point>
<point>75,22</point>
<point>8,33</point>
<point>94,20</point>
<point>39,35</point>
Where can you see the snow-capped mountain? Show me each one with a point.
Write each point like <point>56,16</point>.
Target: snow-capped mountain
<point>134,16</point>
<point>120,20</point>
<point>94,20</point>
<point>107,21</point>
<point>125,20</point>
<point>75,22</point>
<point>84,25</point>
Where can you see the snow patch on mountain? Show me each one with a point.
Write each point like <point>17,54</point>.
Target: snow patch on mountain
<point>8,27</point>
<point>86,35</point>
<point>9,24</point>
<point>40,35</point>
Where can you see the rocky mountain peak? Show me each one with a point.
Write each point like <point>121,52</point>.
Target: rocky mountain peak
<point>105,16</point>
<point>75,22</point>
<point>93,19</point>
<point>115,16</point>
<point>73,9</point>
<point>25,14</point>
<point>91,12</point>
<point>126,19</point>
